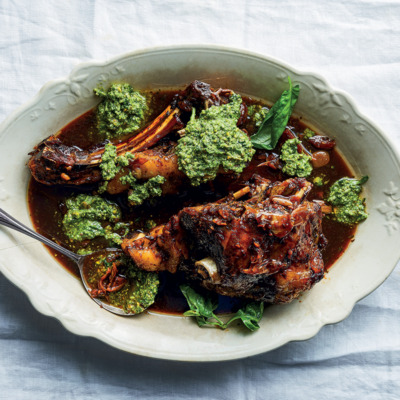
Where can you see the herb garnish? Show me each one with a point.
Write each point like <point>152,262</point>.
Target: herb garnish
<point>276,120</point>
<point>295,163</point>
<point>139,291</point>
<point>112,164</point>
<point>213,142</point>
<point>344,195</point>
<point>202,308</point>
<point>121,111</point>
<point>141,192</point>
<point>88,217</point>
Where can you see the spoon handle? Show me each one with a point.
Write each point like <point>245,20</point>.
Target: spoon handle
<point>10,222</point>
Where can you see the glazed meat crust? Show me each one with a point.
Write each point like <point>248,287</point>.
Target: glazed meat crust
<point>266,248</point>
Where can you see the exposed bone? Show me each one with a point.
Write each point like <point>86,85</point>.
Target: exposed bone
<point>302,193</point>
<point>159,128</point>
<point>138,236</point>
<point>207,266</point>
<point>325,208</point>
<point>299,186</point>
<point>240,193</point>
<point>283,201</point>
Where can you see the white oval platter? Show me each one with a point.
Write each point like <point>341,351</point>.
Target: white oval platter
<point>54,292</point>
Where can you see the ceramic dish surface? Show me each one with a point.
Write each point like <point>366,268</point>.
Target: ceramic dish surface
<point>55,292</point>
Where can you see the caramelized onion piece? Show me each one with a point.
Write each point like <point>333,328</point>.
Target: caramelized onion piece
<point>322,142</point>
<point>320,158</point>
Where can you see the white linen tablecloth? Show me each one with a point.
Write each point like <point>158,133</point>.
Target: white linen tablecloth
<point>355,45</point>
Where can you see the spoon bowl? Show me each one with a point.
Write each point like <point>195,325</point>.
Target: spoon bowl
<point>82,261</point>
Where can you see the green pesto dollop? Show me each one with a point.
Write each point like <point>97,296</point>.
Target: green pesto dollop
<point>142,293</point>
<point>213,141</point>
<point>257,113</point>
<point>111,164</point>
<point>137,294</point>
<point>308,133</point>
<point>318,181</point>
<point>108,165</point>
<point>151,188</point>
<point>295,163</point>
<point>344,195</point>
<point>85,215</point>
<point>122,110</point>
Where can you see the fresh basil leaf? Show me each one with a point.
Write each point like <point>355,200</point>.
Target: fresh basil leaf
<point>202,309</point>
<point>276,120</point>
<point>250,315</point>
<point>201,321</point>
<point>191,313</point>
<point>198,304</point>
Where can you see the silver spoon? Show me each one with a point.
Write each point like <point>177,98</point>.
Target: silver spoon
<point>10,222</point>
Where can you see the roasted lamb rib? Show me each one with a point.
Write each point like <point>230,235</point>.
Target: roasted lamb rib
<point>54,163</point>
<point>265,248</point>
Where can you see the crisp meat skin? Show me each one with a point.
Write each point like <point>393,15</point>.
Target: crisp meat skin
<point>266,248</point>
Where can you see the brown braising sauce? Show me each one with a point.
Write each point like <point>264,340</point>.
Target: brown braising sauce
<point>46,203</point>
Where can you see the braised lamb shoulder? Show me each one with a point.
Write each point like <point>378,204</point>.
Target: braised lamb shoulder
<point>265,248</point>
